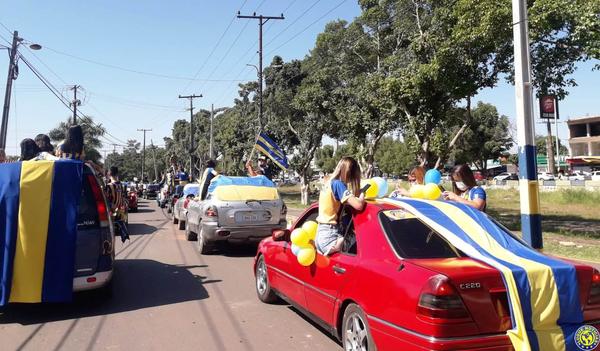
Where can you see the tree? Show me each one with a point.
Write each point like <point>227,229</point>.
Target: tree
<point>540,145</point>
<point>324,159</point>
<point>129,161</point>
<point>91,137</point>
<point>487,137</point>
<point>393,157</point>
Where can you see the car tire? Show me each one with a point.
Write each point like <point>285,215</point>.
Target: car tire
<point>189,235</point>
<point>181,225</point>
<point>356,334</point>
<point>263,288</point>
<point>204,246</point>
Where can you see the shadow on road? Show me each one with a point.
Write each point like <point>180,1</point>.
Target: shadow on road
<point>237,250</point>
<point>144,209</point>
<point>137,284</point>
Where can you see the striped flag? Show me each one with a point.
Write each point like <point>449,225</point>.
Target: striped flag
<point>38,229</point>
<point>543,292</point>
<point>268,147</point>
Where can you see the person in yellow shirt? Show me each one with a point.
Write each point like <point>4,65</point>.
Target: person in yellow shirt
<point>342,188</point>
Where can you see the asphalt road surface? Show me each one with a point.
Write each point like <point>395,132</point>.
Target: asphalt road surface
<point>166,297</point>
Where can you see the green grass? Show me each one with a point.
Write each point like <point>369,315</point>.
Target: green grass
<point>567,216</point>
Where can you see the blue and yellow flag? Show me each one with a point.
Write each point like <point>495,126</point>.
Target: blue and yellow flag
<point>268,147</point>
<point>38,230</point>
<point>543,292</point>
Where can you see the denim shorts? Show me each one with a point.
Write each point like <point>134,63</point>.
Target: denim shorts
<point>327,235</point>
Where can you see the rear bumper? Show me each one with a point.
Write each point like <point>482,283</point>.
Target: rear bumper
<point>393,337</point>
<point>94,281</point>
<point>213,232</point>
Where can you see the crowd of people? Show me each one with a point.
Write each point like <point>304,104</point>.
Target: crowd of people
<point>341,188</point>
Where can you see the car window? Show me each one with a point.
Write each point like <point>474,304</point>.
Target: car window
<point>411,238</point>
<point>87,212</point>
<point>350,246</point>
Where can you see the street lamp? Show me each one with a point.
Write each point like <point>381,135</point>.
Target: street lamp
<point>12,75</point>
<point>260,91</point>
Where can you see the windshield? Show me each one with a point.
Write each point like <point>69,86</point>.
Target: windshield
<point>411,238</point>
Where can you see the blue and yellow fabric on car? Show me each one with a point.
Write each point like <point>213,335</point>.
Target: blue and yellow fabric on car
<point>38,223</point>
<point>543,292</point>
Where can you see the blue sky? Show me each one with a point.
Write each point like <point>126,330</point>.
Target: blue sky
<point>173,38</point>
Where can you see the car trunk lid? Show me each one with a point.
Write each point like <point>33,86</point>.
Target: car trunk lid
<point>480,287</point>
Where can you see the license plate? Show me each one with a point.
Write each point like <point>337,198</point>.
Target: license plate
<point>249,216</point>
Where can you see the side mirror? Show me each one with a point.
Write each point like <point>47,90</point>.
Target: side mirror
<point>280,234</point>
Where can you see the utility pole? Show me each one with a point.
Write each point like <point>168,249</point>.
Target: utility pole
<point>531,221</point>
<point>549,149</point>
<point>144,150</point>
<point>12,64</point>
<point>192,148</point>
<point>13,72</point>
<point>154,159</point>
<point>212,116</point>
<point>261,21</point>
<point>75,102</point>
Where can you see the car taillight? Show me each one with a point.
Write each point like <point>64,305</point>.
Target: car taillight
<point>211,211</point>
<point>100,203</point>
<point>284,210</point>
<point>594,298</point>
<point>439,299</point>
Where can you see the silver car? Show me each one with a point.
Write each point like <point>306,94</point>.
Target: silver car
<point>181,206</point>
<point>249,215</point>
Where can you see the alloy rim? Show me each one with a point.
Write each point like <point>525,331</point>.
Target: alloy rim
<point>356,334</point>
<point>261,277</point>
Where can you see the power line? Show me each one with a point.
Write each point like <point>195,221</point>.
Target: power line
<point>308,26</point>
<point>130,70</point>
<point>294,22</point>
<point>62,99</point>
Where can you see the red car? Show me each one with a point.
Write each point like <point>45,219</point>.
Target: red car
<point>132,200</point>
<point>398,285</point>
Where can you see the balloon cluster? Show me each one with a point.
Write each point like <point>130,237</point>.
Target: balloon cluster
<point>431,189</point>
<point>302,243</point>
<point>378,187</point>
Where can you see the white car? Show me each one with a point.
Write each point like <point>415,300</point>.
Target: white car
<point>506,176</point>
<point>596,176</point>
<point>576,176</point>
<point>545,176</point>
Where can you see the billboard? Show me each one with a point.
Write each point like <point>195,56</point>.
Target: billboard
<point>549,106</point>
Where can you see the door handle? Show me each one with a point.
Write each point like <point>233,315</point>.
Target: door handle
<point>339,270</point>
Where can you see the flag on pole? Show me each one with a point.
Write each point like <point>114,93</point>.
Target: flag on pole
<point>268,147</point>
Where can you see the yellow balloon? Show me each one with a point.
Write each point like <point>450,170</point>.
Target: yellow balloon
<point>432,191</point>
<point>417,191</point>
<point>373,190</point>
<point>300,237</point>
<point>306,256</point>
<point>310,227</point>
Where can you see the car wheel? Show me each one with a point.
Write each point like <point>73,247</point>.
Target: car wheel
<point>189,235</point>
<point>263,288</point>
<point>356,335</point>
<point>204,247</point>
<point>181,224</point>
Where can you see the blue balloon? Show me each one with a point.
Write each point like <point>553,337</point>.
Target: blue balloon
<point>295,249</point>
<point>433,176</point>
<point>382,186</point>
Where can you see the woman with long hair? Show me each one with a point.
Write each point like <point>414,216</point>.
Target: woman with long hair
<point>72,147</point>
<point>415,177</point>
<point>465,189</point>
<point>342,188</point>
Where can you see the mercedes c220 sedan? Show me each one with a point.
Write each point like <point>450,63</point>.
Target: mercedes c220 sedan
<point>398,285</point>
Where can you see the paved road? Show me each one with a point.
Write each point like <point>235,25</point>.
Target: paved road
<point>166,297</point>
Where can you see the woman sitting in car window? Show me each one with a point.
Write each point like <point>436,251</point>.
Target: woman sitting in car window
<point>465,189</point>
<point>72,147</point>
<point>343,187</point>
